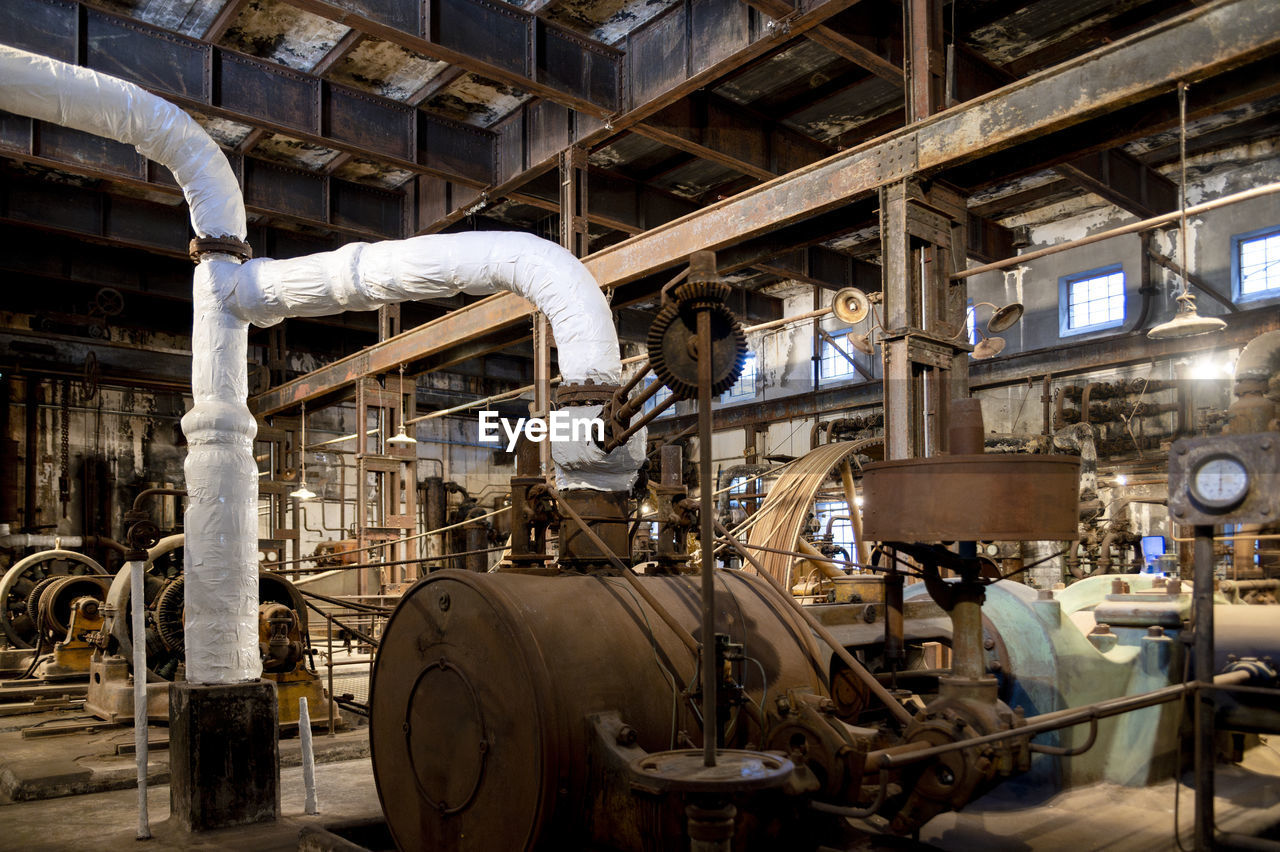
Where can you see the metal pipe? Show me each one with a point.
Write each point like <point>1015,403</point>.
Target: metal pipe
<point>41,540</point>
<point>1132,227</point>
<point>137,603</point>
<point>862,549</point>
<point>309,805</point>
<point>888,759</point>
<point>1202,668</point>
<point>328,632</point>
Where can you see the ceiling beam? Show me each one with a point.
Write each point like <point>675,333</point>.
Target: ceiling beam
<point>1124,181</point>
<point>837,43</point>
<point>262,95</point>
<point>500,42</point>
<point>716,129</point>
<point>658,69</point>
<point>1228,34</point>
<point>1111,77</point>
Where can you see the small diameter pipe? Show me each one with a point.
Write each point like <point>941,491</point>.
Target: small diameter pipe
<point>1132,227</point>
<point>333,716</point>
<point>137,599</point>
<point>309,805</point>
<point>902,714</point>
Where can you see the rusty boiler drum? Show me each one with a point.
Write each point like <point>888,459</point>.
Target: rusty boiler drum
<point>487,687</point>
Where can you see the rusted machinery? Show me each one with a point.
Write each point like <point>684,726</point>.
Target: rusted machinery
<point>574,703</point>
<point>282,633</point>
<point>17,613</point>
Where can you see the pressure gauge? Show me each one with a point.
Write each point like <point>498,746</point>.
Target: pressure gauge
<point>1219,482</point>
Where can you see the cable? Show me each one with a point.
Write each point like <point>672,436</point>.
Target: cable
<point>653,643</point>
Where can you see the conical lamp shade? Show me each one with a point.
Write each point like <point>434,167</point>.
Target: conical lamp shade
<point>402,437</point>
<point>1187,322</point>
<point>988,347</point>
<point>303,493</point>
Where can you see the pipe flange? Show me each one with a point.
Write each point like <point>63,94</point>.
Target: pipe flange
<point>585,393</point>
<point>225,244</point>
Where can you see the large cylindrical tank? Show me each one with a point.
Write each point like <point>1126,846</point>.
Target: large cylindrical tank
<point>485,685</point>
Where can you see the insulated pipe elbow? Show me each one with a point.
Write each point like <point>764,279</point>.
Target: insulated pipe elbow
<point>364,276</point>
<point>53,91</point>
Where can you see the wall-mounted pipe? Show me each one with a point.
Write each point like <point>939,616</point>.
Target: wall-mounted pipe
<point>221,522</point>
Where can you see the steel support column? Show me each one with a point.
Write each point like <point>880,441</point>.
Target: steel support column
<point>922,234</point>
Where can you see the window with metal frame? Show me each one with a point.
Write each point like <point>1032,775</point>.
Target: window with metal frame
<point>1091,300</point>
<point>833,366</point>
<point>745,387</point>
<point>1255,264</point>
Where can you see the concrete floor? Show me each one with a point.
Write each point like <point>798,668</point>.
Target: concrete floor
<point>107,821</point>
<point>1110,817</point>
<point>1102,816</point>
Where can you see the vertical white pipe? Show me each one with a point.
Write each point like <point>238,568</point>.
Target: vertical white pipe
<point>222,494</point>
<point>137,602</point>
<point>308,758</point>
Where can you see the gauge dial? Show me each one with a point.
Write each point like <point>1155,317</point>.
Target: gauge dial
<point>1219,482</point>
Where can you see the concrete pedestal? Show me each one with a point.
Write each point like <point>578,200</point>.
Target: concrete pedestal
<point>224,755</point>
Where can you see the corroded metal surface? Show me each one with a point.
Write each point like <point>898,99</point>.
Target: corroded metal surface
<point>486,684</point>
<point>983,497</point>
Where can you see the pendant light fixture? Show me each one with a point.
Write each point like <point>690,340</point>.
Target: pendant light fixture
<point>401,437</point>
<point>1187,322</point>
<point>302,492</point>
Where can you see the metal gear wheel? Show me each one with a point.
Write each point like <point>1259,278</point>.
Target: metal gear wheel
<point>695,294</point>
<point>672,356</point>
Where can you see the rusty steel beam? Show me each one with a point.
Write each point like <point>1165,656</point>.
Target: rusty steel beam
<point>837,43</point>
<point>433,341</point>
<point>716,129</point>
<point>1124,181</point>
<point>855,52</point>
<point>249,91</point>
<point>1063,360</point>
<point>500,42</point>
<point>658,70</point>
<point>1225,34</point>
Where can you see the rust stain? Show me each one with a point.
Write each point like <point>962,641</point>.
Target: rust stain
<point>294,152</point>
<point>281,33</point>
<point>386,69</point>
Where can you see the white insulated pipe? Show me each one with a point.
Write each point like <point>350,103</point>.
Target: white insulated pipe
<point>363,276</point>
<point>141,745</point>
<point>222,484</point>
<point>222,527</point>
